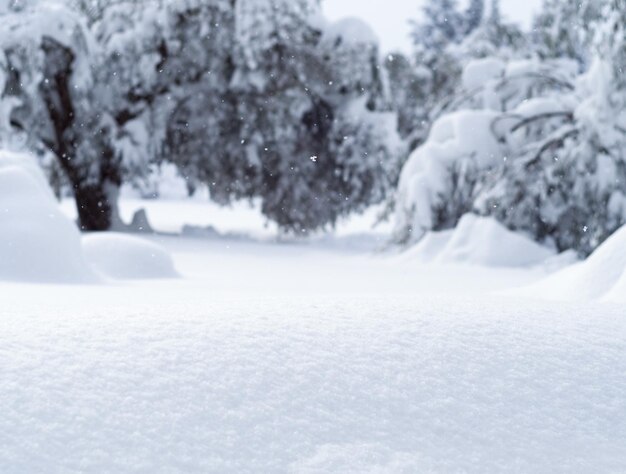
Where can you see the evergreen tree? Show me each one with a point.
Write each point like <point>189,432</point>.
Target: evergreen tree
<point>277,130</point>
<point>494,37</point>
<point>408,96</point>
<point>561,29</point>
<point>442,24</point>
<point>474,15</point>
<point>568,183</point>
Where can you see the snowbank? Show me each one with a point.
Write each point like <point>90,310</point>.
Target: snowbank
<point>602,275</point>
<point>37,242</point>
<point>480,241</point>
<point>125,257</point>
<point>429,247</point>
<point>484,241</point>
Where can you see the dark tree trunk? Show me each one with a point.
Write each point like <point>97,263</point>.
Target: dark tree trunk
<point>94,209</point>
<point>93,192</point>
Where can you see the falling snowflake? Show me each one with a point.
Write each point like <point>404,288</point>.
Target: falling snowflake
<point>314,159</point>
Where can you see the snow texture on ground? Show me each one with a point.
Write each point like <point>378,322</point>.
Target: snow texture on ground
<point>292,357</point>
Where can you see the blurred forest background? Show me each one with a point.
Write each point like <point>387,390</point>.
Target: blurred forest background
<point>268,100</point>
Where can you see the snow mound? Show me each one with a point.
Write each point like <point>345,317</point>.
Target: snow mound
<point>602,275</point>
<point>37,242</point>
<point>484,241</point>
<point>480,241</point>
<point>124,257</point>
<point>429,247</point>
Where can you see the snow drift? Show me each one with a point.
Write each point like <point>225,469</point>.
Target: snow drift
<point>37,242</point>
<point>480,241</point>
<point>125,257</point>
<point>601,276</point>
<point>484,241</point>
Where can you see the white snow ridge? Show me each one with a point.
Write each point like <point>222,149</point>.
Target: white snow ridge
<point>601,276</point>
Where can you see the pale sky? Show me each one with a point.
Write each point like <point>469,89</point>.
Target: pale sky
<point>389,18</point>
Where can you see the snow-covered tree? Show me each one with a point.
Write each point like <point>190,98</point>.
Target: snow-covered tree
<point>158,58</point>
<point>556,166</point>
<point>494,36</point>
<point>469,146</point>
<point>276,131</point>
<point>254,98</point>
<point>49,53</point>
<point>474,15</point>
<point>441,25</point>
<point>563,29</point>
<point>435,73</point>
<point>568,182</point>
<point>407,91</point>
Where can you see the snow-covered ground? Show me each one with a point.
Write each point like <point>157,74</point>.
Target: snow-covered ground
<point>326,356</point>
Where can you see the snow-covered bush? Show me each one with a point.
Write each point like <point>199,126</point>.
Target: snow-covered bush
<point>443,177</point>
<point>558,144</point>
<point>566,181</point>
<point>437,184</point>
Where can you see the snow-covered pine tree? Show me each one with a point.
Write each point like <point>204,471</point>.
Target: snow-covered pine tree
<point>563,29</point>
<point>566,181</point>
<point>494,37</point>
<point>441,25</point>
<point>281,129</point>
<point>347,152</point>
<point>408,96</point>
<point>436,74</point>
<point>437,66</point>
<point>474,15</point>
<point>164,61</point>
<point>499,105</point>
<point>242,149</point>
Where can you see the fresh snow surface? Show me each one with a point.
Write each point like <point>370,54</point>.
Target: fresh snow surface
<point>126,257</point>
<point>602,275</point>
<point>286,356</point>
<point>37,242</point>
<point>484,241</point>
